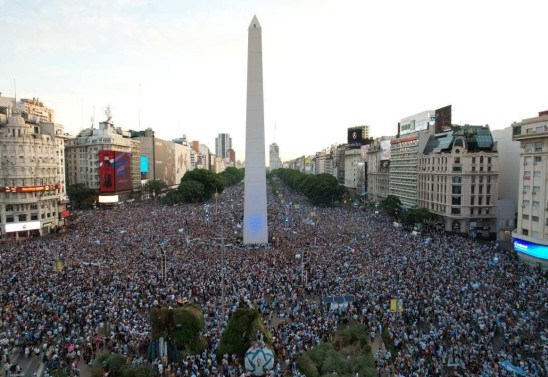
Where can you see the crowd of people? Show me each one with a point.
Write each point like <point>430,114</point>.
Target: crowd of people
<point>468,306</point>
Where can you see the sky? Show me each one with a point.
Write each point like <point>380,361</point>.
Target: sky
<point>179,66</point>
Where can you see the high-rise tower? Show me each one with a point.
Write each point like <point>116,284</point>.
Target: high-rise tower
<point>255,218</point>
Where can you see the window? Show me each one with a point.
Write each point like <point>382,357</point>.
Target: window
<point>536,174</point>
<point>456,160</point>
<point>456,200</point>
<point>538,158</point>
<point>526,203</point>
<point>455,210</point>
<point>525,216</point>
<point>481,159</point>
<point>22,218</point>
<point>9,208</point>
<point>456,190</point>
<point>525,232</point>
<point>472,200</point>
<point>534,218</point>
<point>457,179</point>
<point>538,146</point>
<point>536,203</point>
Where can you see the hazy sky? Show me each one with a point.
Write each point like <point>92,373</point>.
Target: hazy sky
<point>328,65</point>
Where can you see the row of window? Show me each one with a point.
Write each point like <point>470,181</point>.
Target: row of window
<point>24,217</point>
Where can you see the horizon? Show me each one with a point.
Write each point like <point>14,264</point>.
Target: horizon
<point>180,68</point>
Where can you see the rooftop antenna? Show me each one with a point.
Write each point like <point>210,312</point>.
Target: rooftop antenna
<point>275,125</point>
<point>93,118</point>
<point>108,113</point>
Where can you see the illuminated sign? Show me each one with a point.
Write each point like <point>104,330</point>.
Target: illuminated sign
<point>31,188</point>
<point>19,227</point>
<point>108,199</point>
<point>144,164</point>
<point>532,249</point>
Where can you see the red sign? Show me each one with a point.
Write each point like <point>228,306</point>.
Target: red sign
<point>31,188</point>
<point>106,171</point>
<point>65,214</point>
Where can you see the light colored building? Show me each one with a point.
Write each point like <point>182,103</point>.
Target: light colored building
<point>530,238</point>
<point>35,108</point>
<point>32,189</point>
<point>413,132</point>
<point>82,155</point>
<point>507,207</point>
<point>457,179</point>
<point>275,161</point>
<point>353,169</point>
<point>223,143</point>
<point>378,169</point>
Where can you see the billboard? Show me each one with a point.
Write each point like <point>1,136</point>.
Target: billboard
<point>19,227</point>
<point>108,199</point>
<point>172,161</point>
<point>443,119</point>
<point>31,188</point>
<point>356,136</point>
<point>106,171</point>
<point>416,123</point>
<point>532,249</point>
<point>122,168</point>
<point>385,150</point>
<point>144,164</point>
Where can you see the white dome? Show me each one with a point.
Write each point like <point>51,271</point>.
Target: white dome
<point>16,120</point>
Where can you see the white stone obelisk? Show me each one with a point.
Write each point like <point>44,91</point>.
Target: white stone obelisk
<point>255,217</point>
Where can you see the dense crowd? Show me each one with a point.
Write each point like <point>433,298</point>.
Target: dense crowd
<point>467,306</point>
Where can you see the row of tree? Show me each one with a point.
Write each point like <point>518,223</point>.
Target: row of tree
<point>392,206</point>
<point>321,189</point>
<point>195,186</point>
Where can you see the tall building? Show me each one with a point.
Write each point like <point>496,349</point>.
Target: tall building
<point>168,161</point>
<point>93,150</point>
<point>255,218</point>
<point>378,169</point>
<point>530,238</point>
<point>275,161</point>
<point>223,143</point>
<point>457,179</point>
<point>35,108</point>
<point>507,207</point>
<point>32,188</point>
<point>404,150</point>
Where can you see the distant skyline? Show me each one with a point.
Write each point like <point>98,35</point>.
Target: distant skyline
<point>328,65</point>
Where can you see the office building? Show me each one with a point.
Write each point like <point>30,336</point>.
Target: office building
<point>530,238</point>
<point>223,143</point>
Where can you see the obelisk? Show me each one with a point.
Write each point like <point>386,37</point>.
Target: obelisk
<point>255,218</point>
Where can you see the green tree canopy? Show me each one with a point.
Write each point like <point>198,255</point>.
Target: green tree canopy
<point>392,205</point>
<point>321,189</point>
<point>181,325</point>
<point>155,186</point>
<point>241,331</point>
<point>212,182</point>
<point>81,196</point>
<point>191,191</point>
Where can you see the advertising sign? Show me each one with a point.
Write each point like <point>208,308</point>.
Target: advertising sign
<point>530,248</point>
<point>31,188</point>
<point>443,118</point>
<point>18,227</point>
<point>355,137</point>
<point>108,199</point>
<point>106,171</point>
<point>144,164</point>
<point>122,168</point>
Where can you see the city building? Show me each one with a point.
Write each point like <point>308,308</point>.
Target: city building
<point>457,179</point>
<point>323,162</point>
<point>378,169</point>
<point>32,183</point>
<point>35,108</point>
<point>230,157</point>
<point>91,157</point>
<point>530,238</point>
<point>167,161</point>
<point>404,150</point>
<point>223,143</point>
<point>507,207</point>
<point>275,161</point>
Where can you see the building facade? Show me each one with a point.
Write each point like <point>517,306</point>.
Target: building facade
<point>530,238</point>
<point>223,143</point>
<point>31,176</point>
<point>83,160</point>
<point>378,170</point>
<point>274,157</point>
<point>457,179</point>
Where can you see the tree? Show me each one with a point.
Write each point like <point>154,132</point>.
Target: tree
<point>392,205</point>
<point>155,187</point>
<point>212,182</point>
<point>81,196</point>
<point>180,325</point>
<point>241,331</point>
<point>191,191</point>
